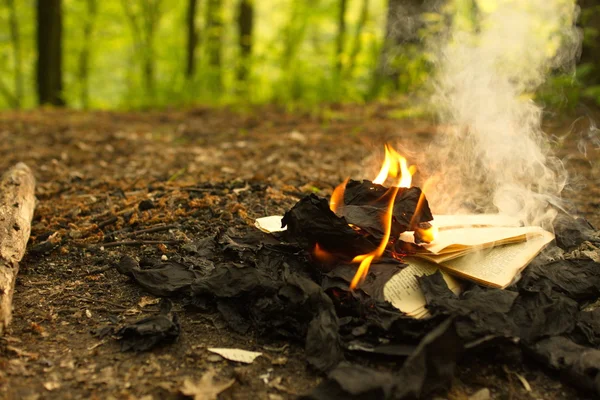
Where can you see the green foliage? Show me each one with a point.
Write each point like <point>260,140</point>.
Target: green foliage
<point>563,92</point>
<point>136,54</point>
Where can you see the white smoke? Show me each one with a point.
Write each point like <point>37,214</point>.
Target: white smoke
<point>493,156</point>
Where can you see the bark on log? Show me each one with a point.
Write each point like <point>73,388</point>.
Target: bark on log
<point>17,202</point>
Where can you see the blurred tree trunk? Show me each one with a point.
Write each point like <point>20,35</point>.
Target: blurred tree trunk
<point>49,49</point>
<point>357,41</point>
<point>341,37</point>
<point>589,20</point>
<point>15,39</point>
<point>151,16</point>
<point>214,43</point>
<point>245,22</point>
<point>402,26</point>
<point>294,32</point>
<point>84,55</point>
<point>192,39</point>
<point>143,29</point>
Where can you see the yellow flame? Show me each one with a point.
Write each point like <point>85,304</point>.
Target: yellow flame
<point>428,235</point>
<point>395,167</point>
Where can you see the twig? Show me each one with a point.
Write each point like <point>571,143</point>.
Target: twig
<point>114,233</point>
<point>98,270</point>
<point>146,230</point>
<point>153,229</point>
<point>194,189</point>
<point>138,243</point>
<point>100,301</point>
<point>107,222</point>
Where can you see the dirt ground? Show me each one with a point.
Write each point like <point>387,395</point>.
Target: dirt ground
<point>144,184</point>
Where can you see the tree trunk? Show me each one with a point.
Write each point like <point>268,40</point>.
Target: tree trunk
<point>357,41</point>
<point>151,17</point>
<point>589,20</point>
<point>214,39</point>
<point>84,55</point>
<point>402,26</point>
<point>341,37</point>
<point>49,49</point>
<point>245,26</point>
<point>143,29</point>
<point>15,38</point>
<point>192,39</point>
<point>294,32</point>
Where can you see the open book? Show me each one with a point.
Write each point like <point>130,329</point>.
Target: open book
<point>489,249</point>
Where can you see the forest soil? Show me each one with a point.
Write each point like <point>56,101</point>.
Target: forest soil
<point>94,169</point>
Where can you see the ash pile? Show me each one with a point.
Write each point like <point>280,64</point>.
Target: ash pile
<point>278,285</point>
<point>372,272</point>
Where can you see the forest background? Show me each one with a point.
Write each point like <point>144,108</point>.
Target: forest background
<point>132,54</point>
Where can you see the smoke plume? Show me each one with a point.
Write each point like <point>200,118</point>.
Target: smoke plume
<point>493,155</point>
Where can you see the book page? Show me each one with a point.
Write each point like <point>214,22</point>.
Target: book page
<point>463,238</point>
<point>498,267</point>
<point>403,290</point>
<point>466,220</point>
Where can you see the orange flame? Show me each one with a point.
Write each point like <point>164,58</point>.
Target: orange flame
<point>322,255</point>
<point>337,197</point>
<point>427,234</point>
<point>395,167</point>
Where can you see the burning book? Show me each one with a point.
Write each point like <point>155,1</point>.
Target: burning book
<point>365,222</point>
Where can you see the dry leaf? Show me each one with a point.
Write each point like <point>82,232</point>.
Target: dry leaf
<point>238,355</point>
<point>22,353</point>
<point>147,301</point>
<point>50,386</point>
<point>205,388</point>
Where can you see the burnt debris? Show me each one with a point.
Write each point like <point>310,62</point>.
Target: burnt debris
<point>276,288</point>
<point>147,333</point>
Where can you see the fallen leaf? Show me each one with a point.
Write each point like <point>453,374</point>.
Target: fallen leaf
<point>50,386</point>
<point>22,353</point>
<point>147,301</point>
<point>238,355</point>
<point>205,388</point>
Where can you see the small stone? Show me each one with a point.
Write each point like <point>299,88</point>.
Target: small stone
<point>146,205</point>
<point>279,361</point>
<point>482,394</point>
<point>164,257</point>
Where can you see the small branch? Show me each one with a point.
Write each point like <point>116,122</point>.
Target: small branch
<point>99,301</point>
<point>138,243</point>
<point>153,229</point>
<point>146,230</point>
<point>98,270</point>
<point>107,222</point>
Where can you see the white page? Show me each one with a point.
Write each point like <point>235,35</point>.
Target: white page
<point>463,238</point>
<point>498,266</point>
<point>403,290</point>
<point>466,220</point>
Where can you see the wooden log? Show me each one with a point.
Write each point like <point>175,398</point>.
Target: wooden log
<point>17,202</point>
